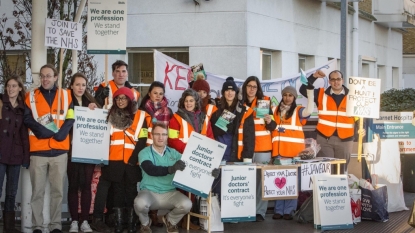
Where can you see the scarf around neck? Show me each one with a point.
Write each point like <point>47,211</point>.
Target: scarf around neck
<point>158,111</point>
<point>283,109</point>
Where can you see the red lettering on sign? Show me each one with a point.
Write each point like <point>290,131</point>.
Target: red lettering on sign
<point>178,77</point>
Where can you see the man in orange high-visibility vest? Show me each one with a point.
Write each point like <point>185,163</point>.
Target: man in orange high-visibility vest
<point>49,146</point>
<point>120,76</point>
<point>335,130</point>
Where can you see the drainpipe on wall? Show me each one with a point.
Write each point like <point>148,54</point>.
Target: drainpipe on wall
<point>355,45</point>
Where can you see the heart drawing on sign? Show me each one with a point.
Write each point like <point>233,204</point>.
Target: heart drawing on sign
<point>280,182</point>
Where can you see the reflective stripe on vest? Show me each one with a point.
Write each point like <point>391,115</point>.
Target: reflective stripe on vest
<point>186,128</point>
<point>247,113</point>
<point>65,105</point>
<point>262,135</point>
<point>333,117</point>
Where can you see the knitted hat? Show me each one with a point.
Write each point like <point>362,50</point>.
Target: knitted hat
<point>124,91</point>
<point>201,84</point>
<point>291,90</point>
<point>229,84</point>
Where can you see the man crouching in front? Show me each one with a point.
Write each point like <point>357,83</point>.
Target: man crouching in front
<point>159,163</point>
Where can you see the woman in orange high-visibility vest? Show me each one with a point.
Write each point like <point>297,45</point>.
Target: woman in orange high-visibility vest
<point>188,118</point>
<point>288,138</point>
<point>129,135</point>
<point>254,98</point>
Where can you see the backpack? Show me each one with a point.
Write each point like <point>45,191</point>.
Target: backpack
<point>305,214</point>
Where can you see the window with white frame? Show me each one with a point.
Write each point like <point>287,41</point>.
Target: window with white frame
<point>266,64</point>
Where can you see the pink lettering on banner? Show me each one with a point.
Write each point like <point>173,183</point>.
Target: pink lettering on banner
<point>178,76</point>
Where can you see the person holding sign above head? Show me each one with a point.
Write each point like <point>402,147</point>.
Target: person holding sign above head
<point>288,138</point>
<point>14,149</point>
<point>335,130</point>
<point>80,174</point>
<point>120,75</point>
<point>253,97</point>
<point>233,125</point>
<point>129,135</point>
<point>49,145</point>
<point>159,164</point>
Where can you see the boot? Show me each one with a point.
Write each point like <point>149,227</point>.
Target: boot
<point>118,212</point>
<point>154,218</point>
<point>99,225</point>
<point>192,226</point>
<point>9,222</point>
<point>132,220</point>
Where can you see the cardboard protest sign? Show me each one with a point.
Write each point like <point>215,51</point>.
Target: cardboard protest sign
<point>91,136</point>
<point>107,27</point>
<point>331,202</point>
<point>201,156</point>
<point>363,99</point>
<point>238,198</point>
<point>63,34</point>
<point>309,169</point>
<point>279,182</point>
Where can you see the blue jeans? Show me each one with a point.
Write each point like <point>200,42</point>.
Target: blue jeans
<point>12,173</point>
<point>285,206</point>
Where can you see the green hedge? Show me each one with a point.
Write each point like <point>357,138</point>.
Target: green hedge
<point>398,100</point>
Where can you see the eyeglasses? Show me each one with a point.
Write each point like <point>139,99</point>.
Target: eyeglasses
<point>252,87</point>
<point>120,99</point>
<point>160,134</point>
<point>335,79</point>
<point>46,76</point>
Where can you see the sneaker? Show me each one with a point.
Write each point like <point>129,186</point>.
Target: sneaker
<point>170,227</point>
<point>259,218</point>
<point>277,216</point>
<point>85,227</point>
<point>74,227</point>
<point>146,229</point>
<point>288,217</point>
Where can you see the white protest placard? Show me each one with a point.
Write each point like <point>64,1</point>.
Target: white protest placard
<point>331,202</point>
<point>107,27</point>
<point>91,136</point>
<point>309,169</point>
<point>63,34</point>
<point>238,199</point>
<point>279,182</point>
<point>363,99</point>
<point>201,156</point>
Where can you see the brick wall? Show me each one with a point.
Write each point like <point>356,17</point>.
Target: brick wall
<point>409,41</point>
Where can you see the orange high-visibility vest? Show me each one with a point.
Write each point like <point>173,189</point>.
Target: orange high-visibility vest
<point>262,135</point>
<point>247,113</point>
<point>210,109</point>
<point>122,142</point>
<point>113,88</point>
<point>40,109</point>
<point>186,128</point>
<point>291,142</point>
<point>331,118</point>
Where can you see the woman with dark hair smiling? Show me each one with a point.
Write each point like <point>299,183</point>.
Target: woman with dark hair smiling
<point>253,97</point>
<point>14,149</point>
<point>156,104</point>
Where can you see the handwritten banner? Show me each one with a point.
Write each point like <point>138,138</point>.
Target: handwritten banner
<point>176,77</point>
<point>363,99</point>
<point>310,169</point>
<point>63,34</point>
<point>279,182</point>
<point>201,156</point>
<point>238,193</point>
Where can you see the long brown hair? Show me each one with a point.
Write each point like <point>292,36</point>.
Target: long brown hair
<point>86,93</point>
<point>19,80</point>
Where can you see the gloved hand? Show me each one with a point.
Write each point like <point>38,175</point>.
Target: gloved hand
<point>106,91</point>
<point>25,165</point>
<point>310,86</point>
<point>179,165</point>
<point>216,173</point>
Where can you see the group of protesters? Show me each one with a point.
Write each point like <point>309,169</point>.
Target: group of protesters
<point>147,140</point>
